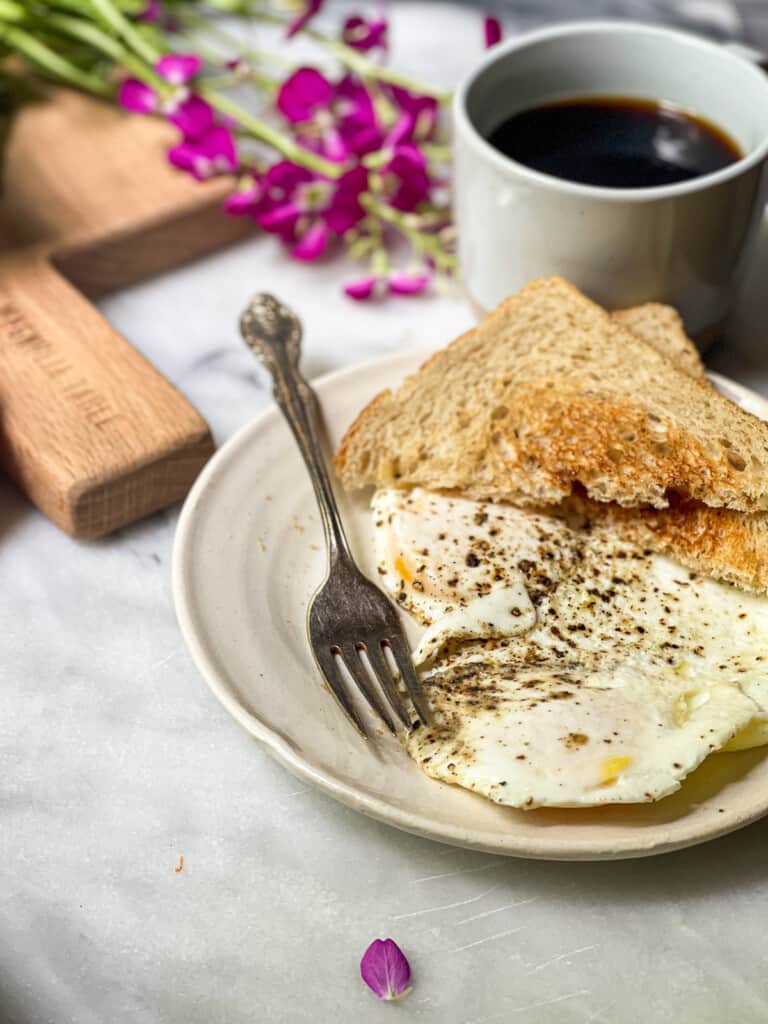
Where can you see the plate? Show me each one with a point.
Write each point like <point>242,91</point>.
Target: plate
<point>247,557</point>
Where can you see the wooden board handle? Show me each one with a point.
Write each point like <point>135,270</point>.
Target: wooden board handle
<point>88,428</point>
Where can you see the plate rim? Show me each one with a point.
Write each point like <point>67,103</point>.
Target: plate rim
<point>661,840</point>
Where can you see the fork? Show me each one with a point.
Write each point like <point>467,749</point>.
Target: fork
<point>350,622</point>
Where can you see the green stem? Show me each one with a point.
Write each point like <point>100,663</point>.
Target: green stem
<point>125,29</point>
<point>355,60</point>
<point>424,243</point>
<point>51,62</point>
<point>10,11</point>
<point>232,42</point>
<point>271,136</point>
<point>366,68</point>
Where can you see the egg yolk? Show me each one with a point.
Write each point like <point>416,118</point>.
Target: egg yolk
<point>611,768</point>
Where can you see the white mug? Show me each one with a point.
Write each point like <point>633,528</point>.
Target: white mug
<point>685,244</point>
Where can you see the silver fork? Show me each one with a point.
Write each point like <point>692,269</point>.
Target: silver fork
<point>349,621</point>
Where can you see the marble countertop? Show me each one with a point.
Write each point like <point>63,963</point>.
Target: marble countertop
<point>115,760</point>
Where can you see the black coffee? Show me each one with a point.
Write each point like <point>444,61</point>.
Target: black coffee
<point>615,142</point>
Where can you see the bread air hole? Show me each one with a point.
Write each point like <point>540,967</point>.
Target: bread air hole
<point>736,461</point>
<point>500,412</point>
<point>725,442</point>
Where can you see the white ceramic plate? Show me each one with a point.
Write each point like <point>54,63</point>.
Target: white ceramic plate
<point>249,554</point>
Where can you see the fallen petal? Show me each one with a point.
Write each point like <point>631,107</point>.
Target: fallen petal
<point>385,970</point>
<point>312,243</point>
<point>360,290</point>
<point>491,30</point>
<point>310,10</point>
<point>179,68</point>
<point>364,35</point>
<point>302,94</point>
<point>401,283</point>
<point>193,117</point>
<point>137,96</point>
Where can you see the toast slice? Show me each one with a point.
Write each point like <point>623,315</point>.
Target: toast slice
<point>661,327</point>
<point>550,395</point>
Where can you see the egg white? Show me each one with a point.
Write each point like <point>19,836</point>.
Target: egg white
<point>564,666</point>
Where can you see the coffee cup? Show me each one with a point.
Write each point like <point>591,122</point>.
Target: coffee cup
<point>684,243</point>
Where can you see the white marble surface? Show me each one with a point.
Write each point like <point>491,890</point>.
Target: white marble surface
<point>115,760</point>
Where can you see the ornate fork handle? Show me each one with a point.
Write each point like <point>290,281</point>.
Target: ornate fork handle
<point>273,334</point>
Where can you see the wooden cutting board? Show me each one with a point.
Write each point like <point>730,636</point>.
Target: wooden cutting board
<point>88,428</point>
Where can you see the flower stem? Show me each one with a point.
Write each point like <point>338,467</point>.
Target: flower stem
<point>125,29</point>
<point>271,136</point>
<point>427,244</point>
<point>366,68</point>
<point>352,58</point>
<point>52,63</point>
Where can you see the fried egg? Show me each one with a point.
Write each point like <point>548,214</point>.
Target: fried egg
<point>566,667</point>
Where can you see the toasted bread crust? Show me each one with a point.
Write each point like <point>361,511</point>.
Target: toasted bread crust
<point>718,542</point>
<point>550,392</point>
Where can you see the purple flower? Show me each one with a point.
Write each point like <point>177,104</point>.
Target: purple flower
<point>136,96</point>
<point>362,289</point>
<point>385,970</point>
<point>179,68</point>
<point>192,116</point>
<point>401,283</point>
<point>405,177</point>
<point>207,147</point>
<point>491,30</point>
<point>153,11</point>
<point>337,120</point>
<point>398,282</point>
<point>423,111</point>
<point>306,210</point>
<point>246,201</point>
<point>303,94</point>
<point>214,153</point>
<point>175,68</point>
<point>365,35</point>
<point>311,7</point>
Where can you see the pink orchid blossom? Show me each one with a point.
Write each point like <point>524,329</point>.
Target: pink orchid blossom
<point>311,7</point>
<point>491,30</point>
<point>365,35</point>
<point>385,970</point>
<point>398,282</point>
